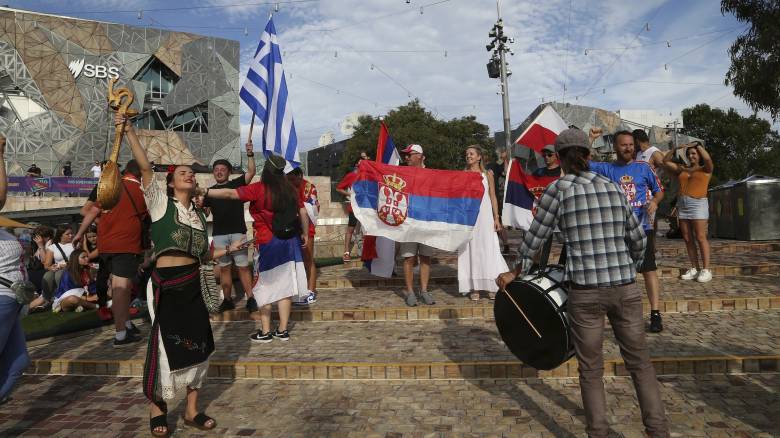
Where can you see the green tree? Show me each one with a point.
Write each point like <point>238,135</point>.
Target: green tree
<point>739,145</point>
<point>444,141</point>
<point>755,55</point>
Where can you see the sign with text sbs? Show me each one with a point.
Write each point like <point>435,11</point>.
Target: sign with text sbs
<point>79,67</point>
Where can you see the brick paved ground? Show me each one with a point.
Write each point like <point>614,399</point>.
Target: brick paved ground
<point>704,406</point>
<point>741,333</point>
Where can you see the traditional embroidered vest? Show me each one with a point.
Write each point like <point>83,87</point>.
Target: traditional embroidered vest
<point>168,233</point>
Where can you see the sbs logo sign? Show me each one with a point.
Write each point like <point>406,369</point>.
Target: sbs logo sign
<point>78,67</point>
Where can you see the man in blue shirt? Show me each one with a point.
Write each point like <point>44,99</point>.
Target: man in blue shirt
<point>643,192</point>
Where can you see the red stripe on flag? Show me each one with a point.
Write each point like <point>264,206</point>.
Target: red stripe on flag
<point>537,137</point>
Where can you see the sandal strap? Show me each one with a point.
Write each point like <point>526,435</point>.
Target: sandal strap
<point>158,421</point>
<point>201,419</point>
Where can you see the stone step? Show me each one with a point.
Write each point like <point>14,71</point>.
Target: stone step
<point>696,405</point>
<point>674,250</point>
<point>446,274</point>
<point>760,292</point>
<point>696,343</point>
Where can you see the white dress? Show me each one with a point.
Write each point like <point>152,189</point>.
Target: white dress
<point>480,260</point>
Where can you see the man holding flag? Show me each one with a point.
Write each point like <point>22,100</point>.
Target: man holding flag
<point>524,190</point>
<point>379,252</point>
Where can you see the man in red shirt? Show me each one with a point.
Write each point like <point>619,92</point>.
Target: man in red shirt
<point>120,247</point>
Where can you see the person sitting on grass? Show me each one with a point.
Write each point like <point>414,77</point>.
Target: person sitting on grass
<point>76,285</point>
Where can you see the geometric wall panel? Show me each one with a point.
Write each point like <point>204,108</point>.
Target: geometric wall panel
<point>76,125</point>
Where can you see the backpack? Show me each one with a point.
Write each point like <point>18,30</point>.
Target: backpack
<point>286,222</point>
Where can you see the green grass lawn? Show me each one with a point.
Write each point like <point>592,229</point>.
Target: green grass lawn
<point>45,324</point>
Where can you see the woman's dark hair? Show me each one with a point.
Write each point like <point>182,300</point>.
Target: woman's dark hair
<point>74,268</point>
<point>574,160</point>
<point>43,231</point>
<point>60,231</point>
<point>281,191</point>
<point>695,145</point>
<point>169,179</point>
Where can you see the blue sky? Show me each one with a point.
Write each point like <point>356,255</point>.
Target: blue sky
<point>331,45</point>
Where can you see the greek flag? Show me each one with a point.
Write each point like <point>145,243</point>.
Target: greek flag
<point>265,91</point>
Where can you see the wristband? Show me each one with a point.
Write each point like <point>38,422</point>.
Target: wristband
<point>250,154</point>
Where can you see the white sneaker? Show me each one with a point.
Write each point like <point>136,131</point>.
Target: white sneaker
<point>704,276</point>
<point>690,274</point>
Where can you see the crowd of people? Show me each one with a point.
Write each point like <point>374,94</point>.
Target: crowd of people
<point>158,234</point>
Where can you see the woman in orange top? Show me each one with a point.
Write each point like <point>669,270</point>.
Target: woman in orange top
<point>692,206</point>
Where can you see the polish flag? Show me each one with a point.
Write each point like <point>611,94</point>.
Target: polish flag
<point>543,130</point>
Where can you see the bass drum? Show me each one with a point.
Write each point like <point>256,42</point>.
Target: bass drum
<point>542,297</point>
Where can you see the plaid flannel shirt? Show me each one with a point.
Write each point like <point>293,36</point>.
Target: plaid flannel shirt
<point>604,241</point>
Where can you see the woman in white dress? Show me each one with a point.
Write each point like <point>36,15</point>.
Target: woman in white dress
<point>480,259</point>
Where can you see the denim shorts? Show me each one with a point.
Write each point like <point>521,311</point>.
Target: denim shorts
<point>692,208</point>
<point>238,258</point>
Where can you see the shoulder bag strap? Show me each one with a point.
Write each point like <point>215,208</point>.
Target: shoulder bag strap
<point>64,257</point>
<point>137,213</point>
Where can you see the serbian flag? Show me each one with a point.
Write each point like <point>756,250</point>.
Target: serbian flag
<point>379,252</point>
<point>411,204</point>
<point>543,130</point>
<point>310,201</point>
<point>521,195</point>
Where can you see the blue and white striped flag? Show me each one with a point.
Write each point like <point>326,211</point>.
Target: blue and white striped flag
<point>265,91</point>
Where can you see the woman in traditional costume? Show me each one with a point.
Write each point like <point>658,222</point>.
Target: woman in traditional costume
<point>181,340</point>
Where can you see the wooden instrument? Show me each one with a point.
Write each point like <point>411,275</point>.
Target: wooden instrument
<point>110,184</point>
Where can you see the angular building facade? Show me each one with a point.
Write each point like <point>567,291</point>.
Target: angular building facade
<point>54,74</point>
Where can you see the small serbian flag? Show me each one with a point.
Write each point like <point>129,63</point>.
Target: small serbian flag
<point>543,130</point>
<point>410,204</point>
<point>379,252</point>
<point>521,195</point>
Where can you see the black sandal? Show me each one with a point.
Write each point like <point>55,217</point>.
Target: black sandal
<point>159,421</point>
<point>200,421</point>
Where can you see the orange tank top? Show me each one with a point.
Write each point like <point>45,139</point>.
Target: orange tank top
<point>694,184</point>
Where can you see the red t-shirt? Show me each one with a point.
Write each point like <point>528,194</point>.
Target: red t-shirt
<point>119,230</point>
<point>260,210</point>
<point>345,184</point>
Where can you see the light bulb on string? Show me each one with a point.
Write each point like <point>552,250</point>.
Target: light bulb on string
<point>246,31</point>
<point>421,10</point>
<point>276,7</point>
<point>445,53</point>
<point>603,91</point>
<point>336,54</point>
<point>647,27</point>
<point>372,67</point>
<point>140,15</point>
<point>586,52</point>
<point>668,44</point>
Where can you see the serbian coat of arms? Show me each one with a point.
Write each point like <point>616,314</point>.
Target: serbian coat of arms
<point>392,203</point>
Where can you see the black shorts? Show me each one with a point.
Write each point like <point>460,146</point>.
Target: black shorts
<point>648,264</point>
<point>123,265</point>
<point>352,220</point>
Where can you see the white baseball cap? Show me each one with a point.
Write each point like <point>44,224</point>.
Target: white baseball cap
<point>413,148</point>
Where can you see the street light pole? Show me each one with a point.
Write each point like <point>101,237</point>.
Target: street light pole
<point>497,68</point>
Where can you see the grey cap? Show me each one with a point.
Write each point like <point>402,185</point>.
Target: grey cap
<point>549,147</point>
<point>571,137</point>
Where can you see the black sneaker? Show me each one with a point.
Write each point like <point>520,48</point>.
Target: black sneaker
<point>656,326</point>
<point>129,339</point>
<point>227,305</point>
<point>251,305</point>
<point>133,330</point>
<point>282,336</point>
<point>261,337</point>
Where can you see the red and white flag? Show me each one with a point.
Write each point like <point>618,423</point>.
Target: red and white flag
<point>543,130</point>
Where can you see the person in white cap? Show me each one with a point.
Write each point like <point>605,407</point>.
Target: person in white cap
<point>413,155</point>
